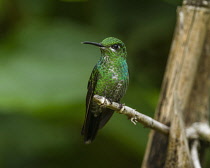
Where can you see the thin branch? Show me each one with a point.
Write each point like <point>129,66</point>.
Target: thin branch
<point>196,131</point>
<point>194,154</point>
<point>199,130</point>
<point>132,114</point>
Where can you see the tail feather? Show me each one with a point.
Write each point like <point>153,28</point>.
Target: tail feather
<point>105,116</point>
<point>90,127</point>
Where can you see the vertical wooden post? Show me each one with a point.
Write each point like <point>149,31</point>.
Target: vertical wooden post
<point>183,88</point>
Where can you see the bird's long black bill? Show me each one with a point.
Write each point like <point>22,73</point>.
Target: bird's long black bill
<point>93,43</point>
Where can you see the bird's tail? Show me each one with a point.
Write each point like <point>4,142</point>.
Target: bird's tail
<point>90,127</point>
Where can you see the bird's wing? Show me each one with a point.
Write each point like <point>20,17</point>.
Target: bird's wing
<point>91,123</point>
<point>91,86</point>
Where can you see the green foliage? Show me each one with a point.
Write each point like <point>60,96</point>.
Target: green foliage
<point>44,64</point>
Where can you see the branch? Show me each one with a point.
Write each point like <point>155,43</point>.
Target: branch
<point>132,114</point>
<point>194,154</point>
<point>196,131</point>
<point>199,130</point>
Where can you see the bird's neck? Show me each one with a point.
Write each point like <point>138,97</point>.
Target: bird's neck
<point>111,57</point>
<point>108,60</point>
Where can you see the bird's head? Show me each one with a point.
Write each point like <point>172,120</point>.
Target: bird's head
<point>111,46</point>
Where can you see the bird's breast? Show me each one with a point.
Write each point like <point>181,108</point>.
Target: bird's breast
<point>113,79</point>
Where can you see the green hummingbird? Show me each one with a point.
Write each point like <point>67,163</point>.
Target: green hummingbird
<point>109,78</point>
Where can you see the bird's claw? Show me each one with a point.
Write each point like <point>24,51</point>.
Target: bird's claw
<point>105,102</point>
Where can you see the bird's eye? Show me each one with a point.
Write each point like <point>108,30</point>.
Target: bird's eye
<point>115,46</point>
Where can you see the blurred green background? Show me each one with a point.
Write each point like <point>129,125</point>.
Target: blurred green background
<point>44,71</point>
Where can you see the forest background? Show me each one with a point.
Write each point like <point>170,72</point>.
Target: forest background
<point>44,70</point>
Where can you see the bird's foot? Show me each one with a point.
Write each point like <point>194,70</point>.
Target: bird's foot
<point>105,102</point>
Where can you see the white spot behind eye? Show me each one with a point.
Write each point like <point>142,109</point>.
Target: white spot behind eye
<point>114,49</point>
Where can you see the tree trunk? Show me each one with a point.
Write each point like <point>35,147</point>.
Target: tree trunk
<point>185,90</point>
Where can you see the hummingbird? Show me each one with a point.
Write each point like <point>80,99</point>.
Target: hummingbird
<point>109,78</point>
